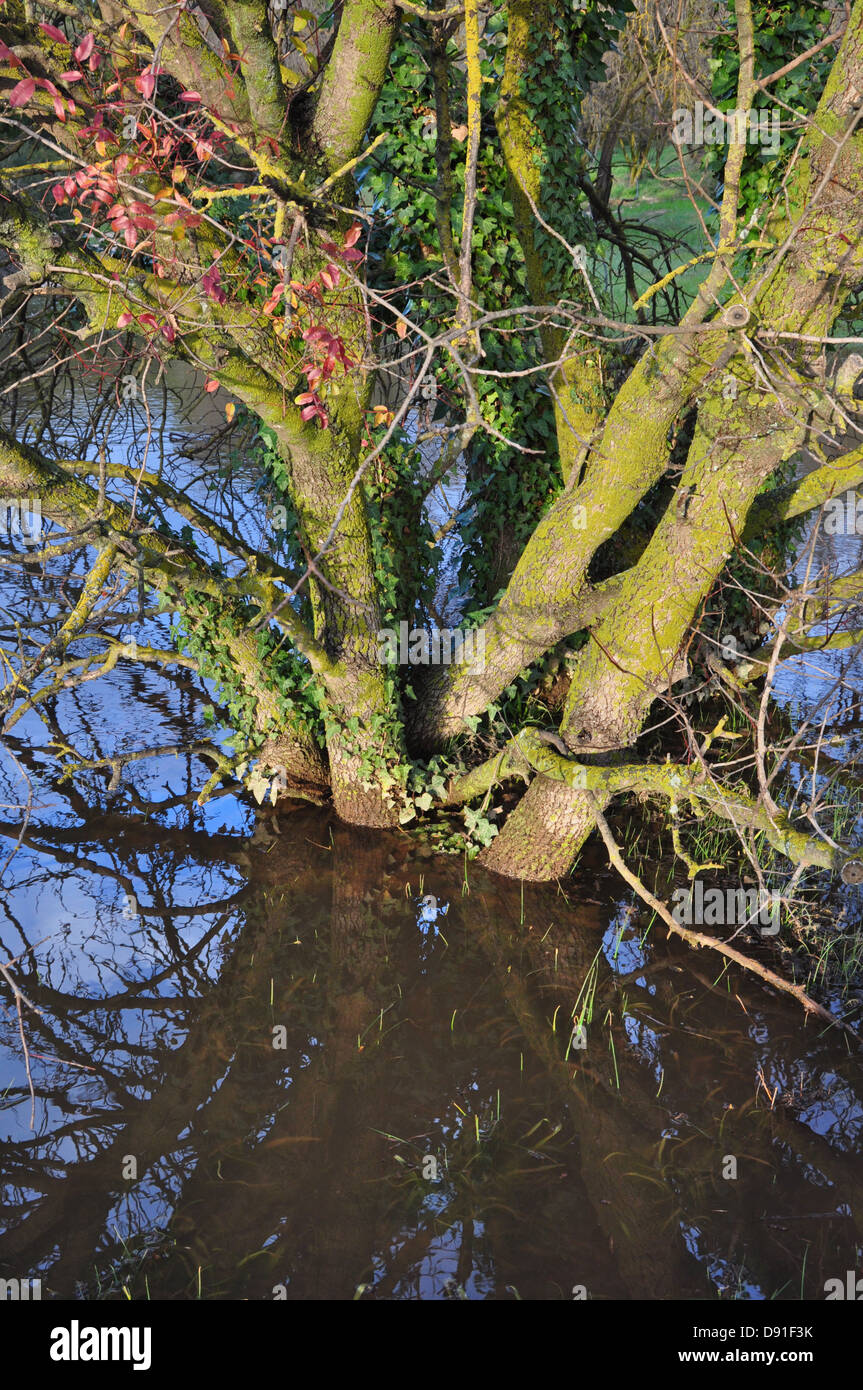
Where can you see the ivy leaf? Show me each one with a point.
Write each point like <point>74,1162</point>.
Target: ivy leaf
<point>258,785</point>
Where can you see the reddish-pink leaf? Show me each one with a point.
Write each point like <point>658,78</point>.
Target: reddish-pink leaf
<point>95,60</point>
<point>190,96</point>
<point>85,48</point>
<point>54,33</point>
<point>22,91</point>
<point>9,57</point>
<point>351,255</point>
<point>146,84</point>
<point>148,320</point>
<point>130,237</point>
<point>308,412</point>
<point>59,112</point>
<point>125,319</point>
<point>169,332</point>
<point>210,385</point>
<point>354,234</point>
<point>59,193</point>
<point>72,76</point>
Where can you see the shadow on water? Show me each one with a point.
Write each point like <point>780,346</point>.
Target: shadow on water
<point>267,1079</point>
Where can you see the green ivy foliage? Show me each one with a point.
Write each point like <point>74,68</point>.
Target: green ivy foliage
<point>202,630</point>
<point>782,29</point>
<point>507,490</point>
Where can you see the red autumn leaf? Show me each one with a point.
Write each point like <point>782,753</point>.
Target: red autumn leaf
<point>125,319</point>
<point>130,237</point>
<point>145,83</point>
<point>85,48</point>
<point>274,298</point>
<point>169,332</point>
<point>190,96</point>
<point>351,255</point>
<point>148,320</point>
<point>9,57</point>
<point>72,76</point>
<point>210,385</point>
<point>54,33</point>
<point>59,193</point>
<point>308,412</point>
<point>22,91</point>
<point>95,60</point>
<point>57,103</point>
<point>354,234</point>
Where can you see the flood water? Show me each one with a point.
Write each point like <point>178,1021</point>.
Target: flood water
<point>257,1075</point>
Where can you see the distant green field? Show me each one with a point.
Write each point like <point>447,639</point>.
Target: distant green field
<point>656,200</point>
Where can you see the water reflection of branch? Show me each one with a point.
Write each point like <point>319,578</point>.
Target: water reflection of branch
<point>27,809</point>
<point>701,939</point>
<point>21,999</point>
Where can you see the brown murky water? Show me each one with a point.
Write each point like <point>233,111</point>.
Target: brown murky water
<point>272,1082</point>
